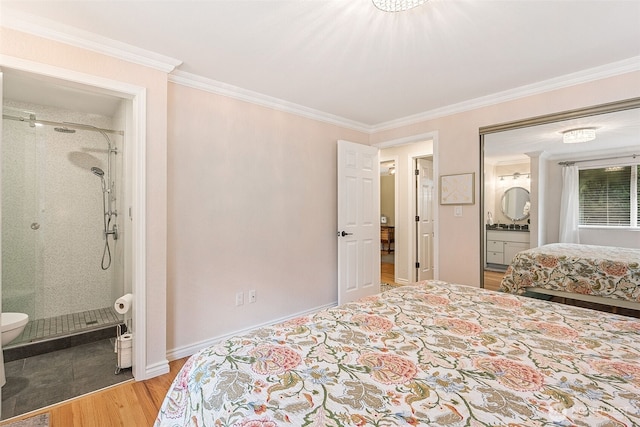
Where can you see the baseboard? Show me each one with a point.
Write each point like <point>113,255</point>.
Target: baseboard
<point>186,351</point>
<point>496,268</point>
<point>157,369</point>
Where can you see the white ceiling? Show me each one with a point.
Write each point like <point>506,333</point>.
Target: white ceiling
<point>348,59</point>
<point>617,132</point>
<point>27,87</point>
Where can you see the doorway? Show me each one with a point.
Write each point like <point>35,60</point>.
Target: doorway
<point>387,221</point>
<point>402,154</point>
<point>102,152</point>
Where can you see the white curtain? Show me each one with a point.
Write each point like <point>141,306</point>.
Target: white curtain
<point>569,214</point>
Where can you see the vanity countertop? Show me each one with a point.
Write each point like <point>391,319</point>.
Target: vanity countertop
<point>505,227</point>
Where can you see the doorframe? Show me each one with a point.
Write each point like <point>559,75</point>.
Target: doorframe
<point>422,137</point>
<point>135,148</point>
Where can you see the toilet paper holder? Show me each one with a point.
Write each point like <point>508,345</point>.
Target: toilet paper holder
<point>123,348</point>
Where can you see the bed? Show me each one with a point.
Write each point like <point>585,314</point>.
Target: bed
<point>603,274</point>
<point>428,354</point>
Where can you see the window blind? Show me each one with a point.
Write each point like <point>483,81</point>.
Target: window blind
<point>605,196</point>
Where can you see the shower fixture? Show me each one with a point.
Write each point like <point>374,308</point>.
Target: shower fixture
<point>100,173</point>
<point>64,130</point>
<point>97,171</point>
<point>108,216</point>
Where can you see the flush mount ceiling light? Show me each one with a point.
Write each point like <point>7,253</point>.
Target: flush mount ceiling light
<point>397,5</point>
<point>575,136</point>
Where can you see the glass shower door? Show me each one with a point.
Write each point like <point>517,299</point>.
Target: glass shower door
<point>20,215</point>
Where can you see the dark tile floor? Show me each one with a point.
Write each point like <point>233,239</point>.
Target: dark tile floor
<point>45,379</point>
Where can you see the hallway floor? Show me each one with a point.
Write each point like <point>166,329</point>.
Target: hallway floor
<point>387,269</point>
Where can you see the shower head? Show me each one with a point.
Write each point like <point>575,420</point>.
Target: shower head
<point>97,171</point>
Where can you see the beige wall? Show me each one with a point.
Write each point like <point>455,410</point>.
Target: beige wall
<point>252,205</point>
<point>43,51</point>
<point>388,197</point>
<point>459,151</point>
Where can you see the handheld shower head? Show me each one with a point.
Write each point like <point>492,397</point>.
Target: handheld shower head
<point>97,171</point>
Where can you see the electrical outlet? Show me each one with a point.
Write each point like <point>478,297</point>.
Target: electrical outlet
<point>457,211</point>
<point>239,298</point>
<point>252,296</point>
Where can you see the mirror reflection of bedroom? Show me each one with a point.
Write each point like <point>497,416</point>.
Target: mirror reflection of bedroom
<point>541,188</point>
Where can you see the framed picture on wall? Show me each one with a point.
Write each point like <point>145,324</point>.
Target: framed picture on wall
<point>457,189</point>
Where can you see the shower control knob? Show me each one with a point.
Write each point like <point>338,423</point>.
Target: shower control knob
<point>35,225</point>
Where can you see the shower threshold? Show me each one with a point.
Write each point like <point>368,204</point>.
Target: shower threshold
<point>55,333</point>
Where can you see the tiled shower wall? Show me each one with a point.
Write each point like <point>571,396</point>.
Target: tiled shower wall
<point>52,217</point>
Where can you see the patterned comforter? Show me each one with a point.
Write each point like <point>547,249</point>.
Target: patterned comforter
<point>584,269</point>
<point>431,354</point>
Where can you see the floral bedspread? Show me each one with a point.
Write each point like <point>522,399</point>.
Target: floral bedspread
<point>584,269</point>
<point>430,354</point>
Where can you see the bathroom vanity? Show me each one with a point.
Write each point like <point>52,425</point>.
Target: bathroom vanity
<point>504,241</point>
<point>503,244</point>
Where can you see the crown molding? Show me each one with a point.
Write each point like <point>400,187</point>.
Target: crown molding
<point>608,70</point>
<point>584,76</point>
<point>224,89</point>
<point>55,31</point>
<point>73,36</point>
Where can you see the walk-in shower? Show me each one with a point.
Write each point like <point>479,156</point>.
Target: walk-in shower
<point>61,260</point>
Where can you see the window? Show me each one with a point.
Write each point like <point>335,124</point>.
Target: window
<point>609,196</point>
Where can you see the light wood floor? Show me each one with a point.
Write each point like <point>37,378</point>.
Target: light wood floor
<point>492,280</point>
<point>130,404</point>
<point>388,274</point>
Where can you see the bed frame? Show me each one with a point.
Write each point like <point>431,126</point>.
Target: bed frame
<point>615,303</point>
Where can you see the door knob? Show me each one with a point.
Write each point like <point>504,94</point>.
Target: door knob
<point>344,233</point>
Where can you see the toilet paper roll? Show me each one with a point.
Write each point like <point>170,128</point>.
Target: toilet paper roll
<point>123,304</point>
<point>124,345</point>
<point>125,341</point>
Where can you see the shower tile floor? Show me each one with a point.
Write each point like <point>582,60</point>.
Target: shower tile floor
<point>41,329</point>
<point>38,381</point>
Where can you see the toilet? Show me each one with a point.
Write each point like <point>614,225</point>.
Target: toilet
<point>12,325</point>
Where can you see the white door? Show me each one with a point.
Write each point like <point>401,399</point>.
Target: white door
<point>358,221</point>
<point>425,223</point>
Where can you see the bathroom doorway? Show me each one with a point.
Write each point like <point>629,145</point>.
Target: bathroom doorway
<point>65,242</point>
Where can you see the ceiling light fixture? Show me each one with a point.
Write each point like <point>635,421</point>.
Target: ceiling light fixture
<point>397,5</point>
<point>392,170</point>
<point>575,136</point>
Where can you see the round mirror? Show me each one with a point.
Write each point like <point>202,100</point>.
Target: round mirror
<point>515,203</point>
